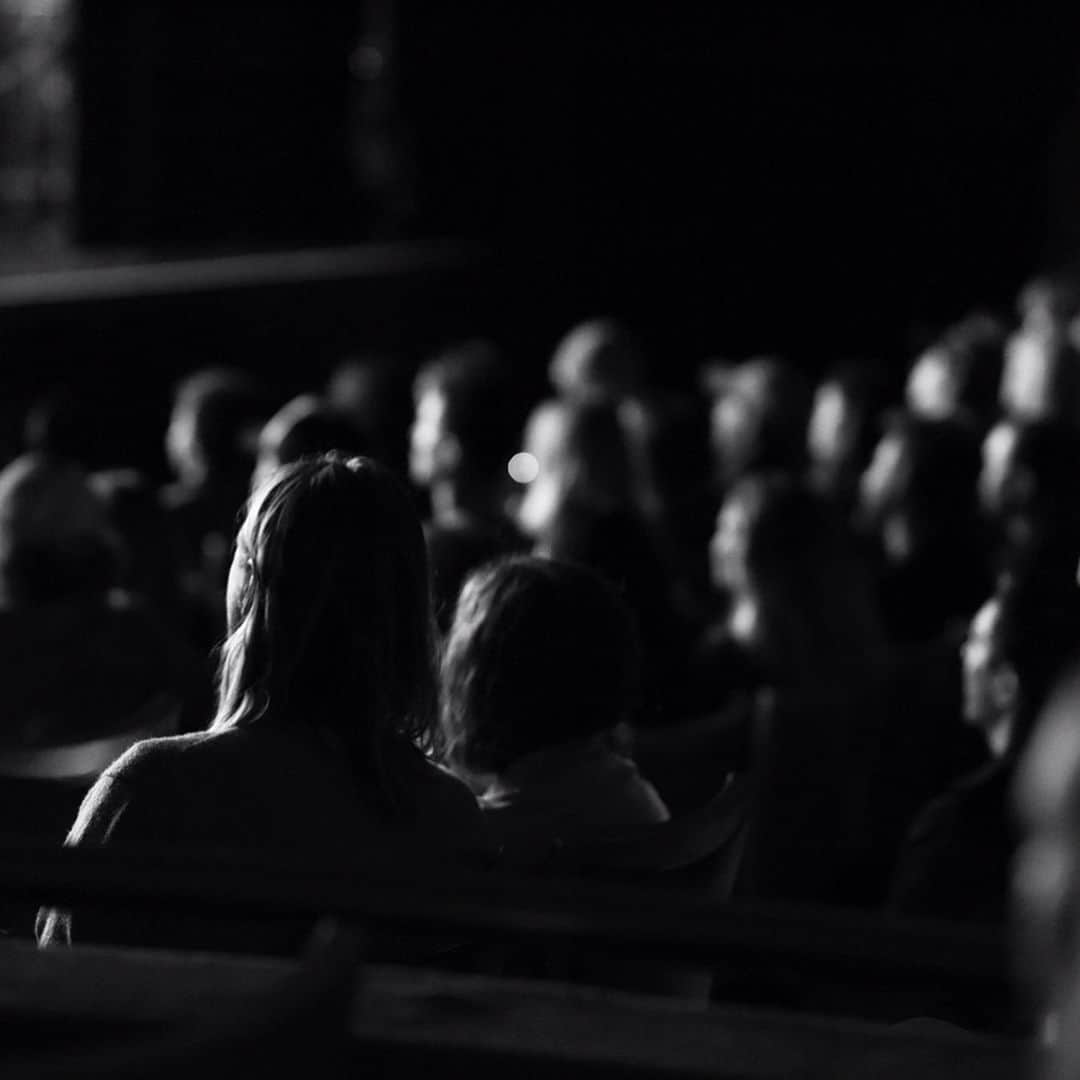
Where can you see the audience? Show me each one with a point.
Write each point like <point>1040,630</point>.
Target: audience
<point>771,579</point>
<point>326,709</point>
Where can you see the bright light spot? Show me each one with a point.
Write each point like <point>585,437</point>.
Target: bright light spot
<point>523,468</point>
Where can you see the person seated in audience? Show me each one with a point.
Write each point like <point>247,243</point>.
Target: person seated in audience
<point>918,498</point>
<point>539,671</point>
<point>81,659</point>
<point>598,360</point>
<point>320,749</point>
<point>1027,490</point>
<point>469,415</point>
<point>956,862</point>
<point>585,505</point>
<point>302,427</point>
<point>800,606</point>
<point>844,427</point>
<point>760,414</point>
<point>669,441</point>
<point>1041,376</point>
<point>373,391</point>
<point>210,444</point>
<point>959,376</point>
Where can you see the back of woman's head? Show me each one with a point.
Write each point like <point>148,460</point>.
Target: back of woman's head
<point>813,592</point>
<point>540,653</point>
<point>329,609</point>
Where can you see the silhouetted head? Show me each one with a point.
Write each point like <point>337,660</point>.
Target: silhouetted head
<point>582,456</point>
<point>1041,377</point>
<point>468,420</point>
<point>304,427</point>
<point>373,391</point>
<point>759,419</point>
<point>1029,487</point>
<point>844,426</point>
<point>597,360</point>
<point>959,377</point>
<point>329,617</point>
<point>215,419</point>
<point>921,485</point>
<point>55,540</point>
<point>540,653</point>
<point>790,563</point>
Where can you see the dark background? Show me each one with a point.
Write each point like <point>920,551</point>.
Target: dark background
<point>728,177</point>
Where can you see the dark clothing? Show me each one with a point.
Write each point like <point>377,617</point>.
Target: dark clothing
<point>256,792</point>
<point>839,773</point>
<point>81,670</point>
<point>203,522</point>
<point>457,548</point>
<point>956,862</point>
<point>619,545</point>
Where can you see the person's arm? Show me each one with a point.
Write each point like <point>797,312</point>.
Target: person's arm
<point>100,814</point>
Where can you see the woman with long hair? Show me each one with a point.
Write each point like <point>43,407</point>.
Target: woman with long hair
<point>326,714</point>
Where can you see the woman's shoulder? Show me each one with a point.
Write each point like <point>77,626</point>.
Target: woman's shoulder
<point>151,760</point>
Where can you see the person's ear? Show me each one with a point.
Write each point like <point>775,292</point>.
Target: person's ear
<point>1005,688</point>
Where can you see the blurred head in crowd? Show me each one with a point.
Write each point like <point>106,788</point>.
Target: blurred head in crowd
<point>844,427</point>
<point>540,654</point>
<point>760,414</point>
<point>960,375</point>
<point>374,392</point>
<point>55,541</point>
<point>599,360</point>
<point>215,419</point>
<point>1049,303</point>
<point>1029,489</point>
<point>801,597</point>
<point>920,486</point>
<point>1017,646</point>
<point>582,456</point>
<point>1047,875</point>
<point>1041,377</point>
<point>329,619</point>
<point>304,426</point>
<point>467,425</point>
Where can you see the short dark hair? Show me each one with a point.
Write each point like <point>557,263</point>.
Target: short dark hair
<point>540,652</point>
<point>485,410</point>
